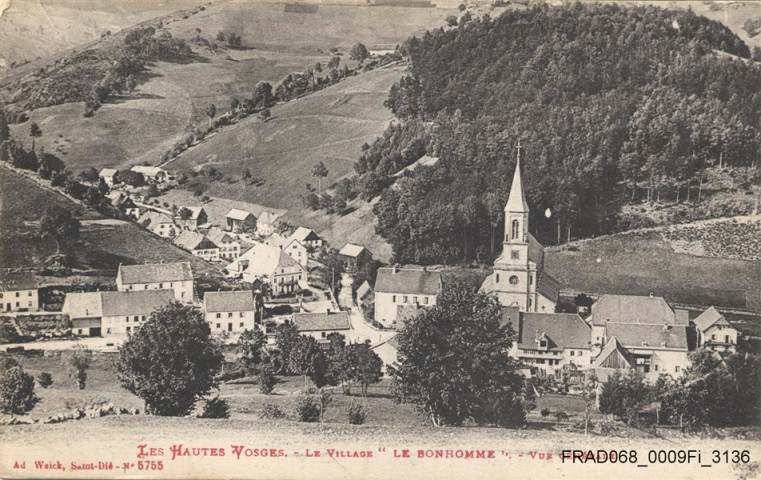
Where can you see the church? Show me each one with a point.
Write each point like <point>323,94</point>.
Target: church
<point>519,279</point>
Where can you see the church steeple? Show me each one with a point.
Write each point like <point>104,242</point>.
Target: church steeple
<point>516,202</point>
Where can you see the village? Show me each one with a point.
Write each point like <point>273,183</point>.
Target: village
<point>275,266</point>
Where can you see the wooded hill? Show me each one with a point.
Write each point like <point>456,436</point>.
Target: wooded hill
<point>612,104</point>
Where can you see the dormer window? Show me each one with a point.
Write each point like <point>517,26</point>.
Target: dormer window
<point>543,343</point>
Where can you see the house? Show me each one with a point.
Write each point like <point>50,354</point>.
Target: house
<point>125,312</point>
<point>715,332</point>
<point>271,265</point>
<point>364,293</point>
<point>307,237</point>
<point>196,219</point>
<point>398,287</point>
<point>109,176</point>
<point>647,310</point>
<point>547,342</point>
<point>124,203</point>
<point>197,244</point>
<point>112,314</point>
<point>355,256</point>
<point>319,325</point>
<point>295,249</point>
<point>239,221</point>
<point>388,352</point>
<point>228,244</point>
<point>230,311</point>
<point>157,276</point>
<point>154,174</point>
<point>519,277</point>
<point>19,292</point>
<point>267,223</point>
<point>85,311</point>
<point>648,334</point>
<point>158,223</point>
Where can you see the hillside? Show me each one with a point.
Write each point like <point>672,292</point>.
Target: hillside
<point>704,263</point>
<point>172,96</point>
<point>103,243</point>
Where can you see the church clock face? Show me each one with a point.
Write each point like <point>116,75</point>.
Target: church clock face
<point>514,280</point>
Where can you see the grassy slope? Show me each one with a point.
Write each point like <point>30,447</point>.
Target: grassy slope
<point>640,263</point>
<point>101,247</point>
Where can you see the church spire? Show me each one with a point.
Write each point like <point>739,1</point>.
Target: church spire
<point>516,202</point>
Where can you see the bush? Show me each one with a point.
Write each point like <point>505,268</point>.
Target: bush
<point>16,390</point>
<point>308,410</point>
<point>357,414</point>
<point>545,412</point>
<point>561,415</point>
<point>216,408</point>
<point>271,412</point>
<point>266,380</point>
<point>45,379</point>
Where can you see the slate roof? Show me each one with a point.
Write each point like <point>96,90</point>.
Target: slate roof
<point>708,318</point>
<point>311,322</point>
<point>238,301</point>
<point>150,219</point>
<point>516,200</point>
<point>302,234</point>
<point>613,355</point>
<point>277,240</point>
<point>141,302</point>
<point>633,335</point>
<point>351,250</point>
<point>10,282</point>
<point>107,172</point>
<point>148,171</point>
<point>510,314</point>
<point>364,289</point>
<point>408,280</point>
<point>193,241</point>
<point>82,305</point>
<point>548,286</point>
<point>264,260</point>
<point>237,214</point>
<point>564,330</point>
<point>155,273</point>
<point>632,309</point>
<point>269,217</point>
<point>218,236</point>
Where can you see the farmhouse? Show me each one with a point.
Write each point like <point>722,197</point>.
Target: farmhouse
<point>154,174</point>
<point>355,256</point>
<point>194,220</point>
<point>519,277</point>
<point>271,265</point>
<point>229,246</point>
<point>124,203</point>
<point>649,337</point>
<point>109,176</point>
<point>157,276</point>
<point>549,341</point>
<point>198,245</point>
<point>18,292</point>
<point>109,314</point>
<point>715,332</point>
<point>320,325</point>
<point>267,223</point>
<point>230,311</point>
<point>395,288</point>
<point>295,249</point>
<point>307,237</point>
<point>239,221</point>
<point>158,223</point>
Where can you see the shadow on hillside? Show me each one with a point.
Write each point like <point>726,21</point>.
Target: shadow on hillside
<point>137,96</point>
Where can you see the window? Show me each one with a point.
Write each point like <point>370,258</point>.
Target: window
<point>129,329</point>
<point>393,299</point>
<point>79,331</point>
<point>108,330</point>
<point>171,285</point>
<point>515,255</point>
<point>18,294</point>
<point>30,293</point>
<point>516,226</point>
<point>713,336</point>
<point>241,324</point>
<point>17,304</point>
<point>677,368</point>
<point>241,316</point>
<point>573,353</point>
<point>514,280</point>
<point>229,314</point>
<point>726,337</point>
<point>146,287</point>
<point>531,279</point>
<point>130,287</point>
<point>323,335</point>
<point>218,325</point>
<point>414,299</point>
<point>496,278</point>
<point>404,299</point>
<point>143,318</point>
<point>656,368</point>
<point>161,285</point>
<point>182,295</point>
<point>137,318</point>
<point>425,300</point>
<point>30,303</point>
<point>543,343</point>
<point>1,294</point>
<point>219,315</point>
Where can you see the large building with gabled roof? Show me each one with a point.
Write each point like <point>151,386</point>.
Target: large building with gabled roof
<point>519,278</point>
<point>176,276</point>
<point>232,311</point>
<point>714,332</point>
<point>398,289</point>
<point>18,292</point>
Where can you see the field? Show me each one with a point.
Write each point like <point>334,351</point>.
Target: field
<point>389,426</point>
<point>101,247</point>
<point>641,263</point>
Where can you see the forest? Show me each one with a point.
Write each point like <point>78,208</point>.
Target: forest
<point>613,105</point>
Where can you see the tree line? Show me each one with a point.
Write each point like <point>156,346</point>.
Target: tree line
<point>613,105</point>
